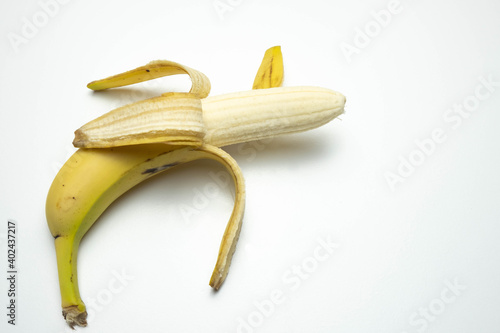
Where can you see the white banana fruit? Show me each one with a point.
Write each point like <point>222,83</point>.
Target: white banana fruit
<point>130,144</point>
<point>265,113</point>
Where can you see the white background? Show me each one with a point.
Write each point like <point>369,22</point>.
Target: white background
<point>418,254</point>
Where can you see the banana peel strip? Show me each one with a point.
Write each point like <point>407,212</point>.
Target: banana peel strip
<point>233,228</point>
<point>271,72</point>
<point>153,70</point>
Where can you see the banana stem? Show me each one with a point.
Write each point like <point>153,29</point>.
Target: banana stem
<point>73,307</point>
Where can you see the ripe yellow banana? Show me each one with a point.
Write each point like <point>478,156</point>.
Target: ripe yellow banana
<point>93,178</point>
<point>130,144</point>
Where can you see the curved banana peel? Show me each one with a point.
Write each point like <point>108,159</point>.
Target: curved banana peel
<point>232,232</point>
<point>104,175</point>
<point>132,143</point>
<point>153,70</point>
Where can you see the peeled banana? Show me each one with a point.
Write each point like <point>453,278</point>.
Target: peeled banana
<point>132,143</point>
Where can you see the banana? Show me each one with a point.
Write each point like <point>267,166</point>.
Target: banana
<point>266,113</point>
<point>135,142</point>
<point>93,178</point>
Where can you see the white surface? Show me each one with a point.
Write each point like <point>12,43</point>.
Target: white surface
<point>399,251</point>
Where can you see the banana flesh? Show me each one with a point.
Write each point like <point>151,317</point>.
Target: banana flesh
<point>132,143</point>
<point>266,113</point>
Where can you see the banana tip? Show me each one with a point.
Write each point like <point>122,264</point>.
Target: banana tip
<point>94,85</point>
<point>216,281</point>
<point>80,139</point>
